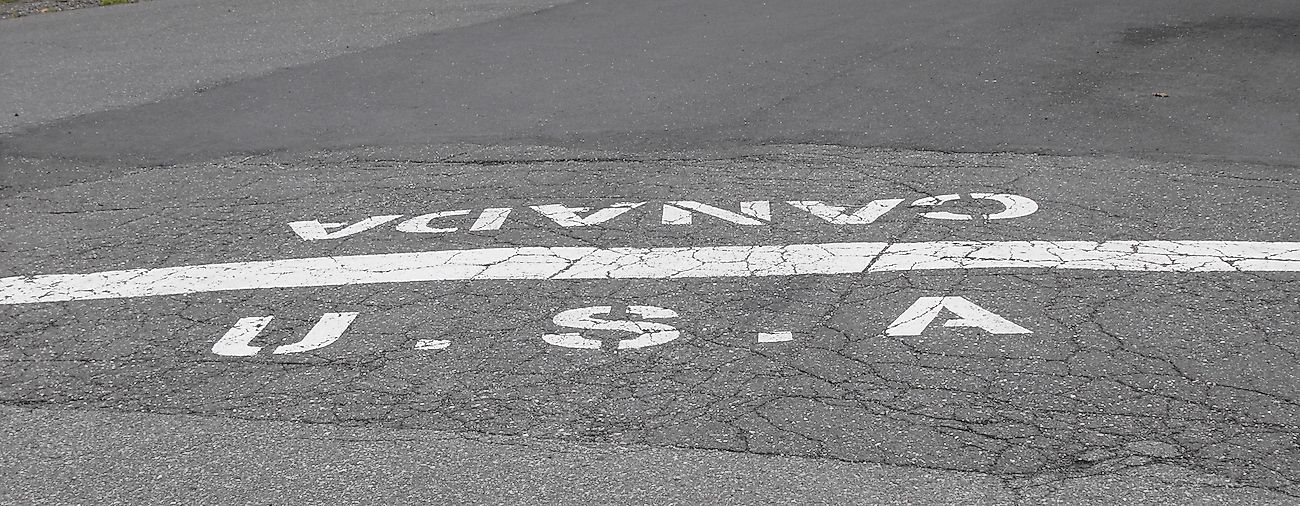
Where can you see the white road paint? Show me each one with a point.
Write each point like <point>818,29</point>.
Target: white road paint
<point>315,231</point>
<point>647,333</point>
<point>491,219</point>
<point>324,333</point>
<point>682,212</point>
<point>432,344</point>
<point>566,263</point>
<point>775,337</point>
<point>677,212</point>
<point>565,216</point>
<point>420,224</point>
<point>939,200</point>
<point>865,215</point>
<point>922,313</point>
<point>235,343</point>
<point>1014,206</point>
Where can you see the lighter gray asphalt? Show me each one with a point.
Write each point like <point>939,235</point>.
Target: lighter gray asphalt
<point>175,133</point>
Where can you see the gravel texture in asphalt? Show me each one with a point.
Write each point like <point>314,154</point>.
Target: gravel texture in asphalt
<point>20,8</point>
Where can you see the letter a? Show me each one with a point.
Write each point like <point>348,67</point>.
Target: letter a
<point>919,317</point>
<point>867,215</point>
<point>314,230</point>
<point>565,216</point>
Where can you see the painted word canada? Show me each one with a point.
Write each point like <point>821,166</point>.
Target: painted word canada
<point>675,212</point>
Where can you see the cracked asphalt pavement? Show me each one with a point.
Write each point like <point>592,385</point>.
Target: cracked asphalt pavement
<point>672,252</point>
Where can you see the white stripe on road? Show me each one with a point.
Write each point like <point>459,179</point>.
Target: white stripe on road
<point>657,263</point>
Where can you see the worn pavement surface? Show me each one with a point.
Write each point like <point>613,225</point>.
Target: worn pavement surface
<point>1094,348</point>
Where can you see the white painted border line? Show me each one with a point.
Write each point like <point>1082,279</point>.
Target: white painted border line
<point>657,263</point>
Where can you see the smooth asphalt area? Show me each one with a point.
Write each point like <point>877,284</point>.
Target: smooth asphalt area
<point>821,252</point>
<point>99,59</point>
<point>1010,75</point>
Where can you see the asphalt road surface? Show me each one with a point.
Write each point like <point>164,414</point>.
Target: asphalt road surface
<point>815,252</point>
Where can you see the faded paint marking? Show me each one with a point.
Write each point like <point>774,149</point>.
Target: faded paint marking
<point>775,337</point>
<point>563,263</point>
<point>235,343</point>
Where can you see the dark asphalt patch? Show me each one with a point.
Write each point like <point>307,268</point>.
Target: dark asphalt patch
<point>1013,75</point>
